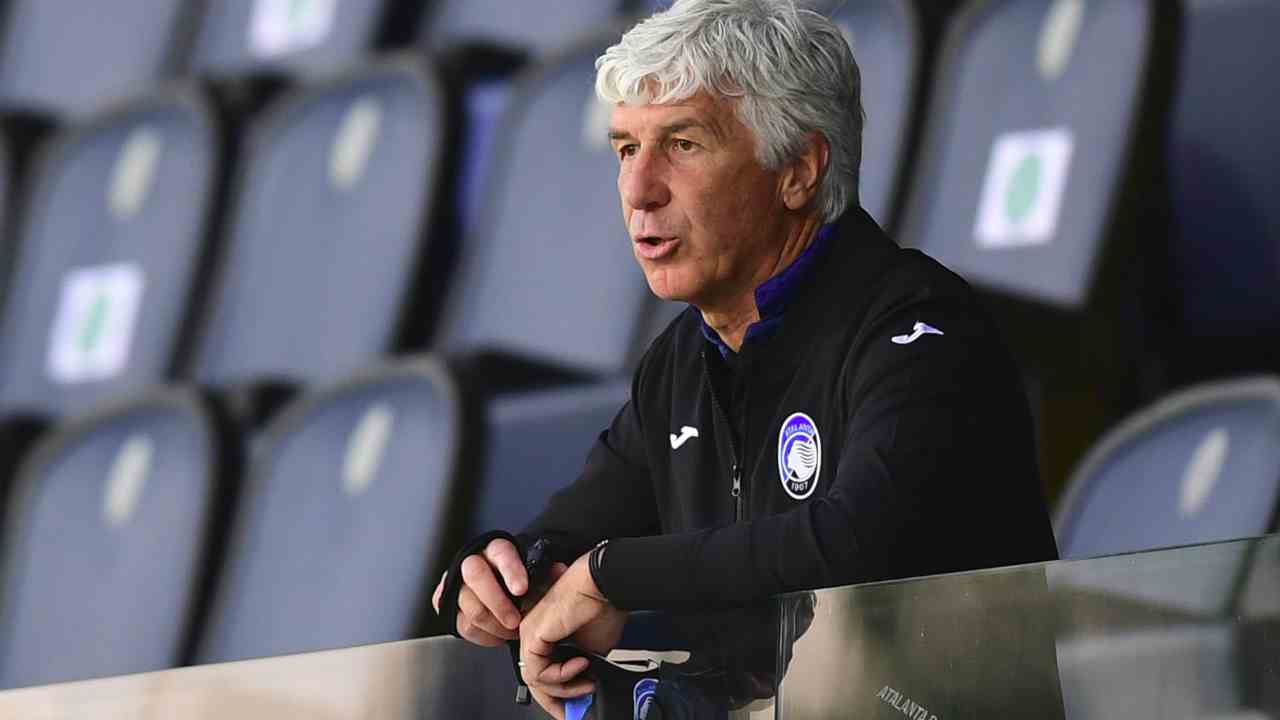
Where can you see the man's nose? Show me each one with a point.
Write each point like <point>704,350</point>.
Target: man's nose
<point>642,182</point>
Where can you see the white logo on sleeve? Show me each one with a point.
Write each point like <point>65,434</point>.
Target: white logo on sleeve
<point>1022,194</point>
<point>799,455</point>
<point>96,317</point>
<point>686,432</point>
<point>918,331</point>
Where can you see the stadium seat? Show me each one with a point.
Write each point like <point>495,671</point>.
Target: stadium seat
<point>108,541</point>
<point>297,36</point>
<point>887,45</point>
<point>537,443</point>
<point>534,29</point>
<point>62,57</point>
<point>548,275</point>
<point>329,230</point>
<point>110,254</point>
<point>344,517</point>
<point>1200,466</point>
<point>1224,140</point>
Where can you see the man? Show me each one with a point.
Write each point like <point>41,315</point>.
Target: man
<point>831,410</point>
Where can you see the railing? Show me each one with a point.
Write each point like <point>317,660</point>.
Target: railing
<point>1189,632</point>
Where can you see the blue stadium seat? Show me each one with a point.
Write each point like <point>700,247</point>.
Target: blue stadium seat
<point>294,36</point>
<point>110,252</point>
<point>343,517</point>
<point>1200,466</point>
<point>536,29</point>
<point>329,229</point>
<point>1224,177</point>
<point>1027,143</point>
<point>108,539</point>
<point>885,36</point>
<point>537,443</point>
<point>548,273</point>
<point>61,56</point>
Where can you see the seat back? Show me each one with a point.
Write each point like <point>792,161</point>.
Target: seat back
<point>536,444</point>
<point>107,541</point>
<point>297,36</point>
<point>885,37</point>
<point>1224,140</point>
<point>1200,466</point>
<point>328,230</point>
<point>58,56</point>
<point>342,519</point>
<point>1027,142</point>
<point>112,246</point>
<point>536,29</point>
<point>548,273</point>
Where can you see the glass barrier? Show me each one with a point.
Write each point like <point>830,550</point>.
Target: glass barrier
<point>1190,632</point>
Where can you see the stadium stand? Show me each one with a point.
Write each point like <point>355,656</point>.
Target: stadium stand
<point>306,37</point>
<point>344,516</point>
<point>1037,160</point>
<point>536,30</point>
<point>537,443</point>
<point>110,254</point>
<point>62,57</point>
<point>330,230</point>
<point>1224,181</point>
<point>547,275</point>
<point>108,540</point>
<point>1202,465</point>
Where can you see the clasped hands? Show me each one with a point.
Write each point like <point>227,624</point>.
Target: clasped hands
<point>572,607</point>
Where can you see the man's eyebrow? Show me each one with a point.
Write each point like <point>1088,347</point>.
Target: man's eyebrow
<point>678,125</point>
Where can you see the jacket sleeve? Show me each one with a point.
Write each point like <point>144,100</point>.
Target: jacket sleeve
<point>937,474</point>
<point>612,497</point>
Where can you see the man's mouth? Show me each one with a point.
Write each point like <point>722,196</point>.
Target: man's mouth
<point>655,247</point>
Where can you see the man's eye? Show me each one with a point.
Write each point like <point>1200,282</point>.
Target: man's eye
<point>683,145</point>
<point>626,151</point>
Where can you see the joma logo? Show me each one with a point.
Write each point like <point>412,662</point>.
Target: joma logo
<point>904,704</point>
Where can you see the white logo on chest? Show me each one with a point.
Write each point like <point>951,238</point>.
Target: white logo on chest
<point>799,455</point>
<point>686,432</point>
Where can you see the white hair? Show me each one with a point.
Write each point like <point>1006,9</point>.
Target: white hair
<point>788,69</point>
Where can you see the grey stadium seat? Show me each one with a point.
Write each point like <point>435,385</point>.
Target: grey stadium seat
<point>536,444</point>
<point>1225,139</point>
<point>548,273</point>
<point>63,56</point>
<point>295,36</point>
<point>536,29</point>
<point>111,249</point>
<point>1027,142</point>
<point>328,229</point>
<point>343,517</point>
<point>1201,465</point>
<point>108,539</point>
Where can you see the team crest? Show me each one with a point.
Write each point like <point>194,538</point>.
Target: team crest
<point>799,455</point>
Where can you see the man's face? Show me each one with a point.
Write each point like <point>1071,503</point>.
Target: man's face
<point>705,218</point>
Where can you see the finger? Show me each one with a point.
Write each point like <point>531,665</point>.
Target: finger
<point>566,691</point>
<point>558,569</point>
<point>504,556</point>
<point>561,673</point>
<point>473,634</point>
<point>435,597</point>
<point>554,707</point>
<point>480,579</point>
<point>478,616</point>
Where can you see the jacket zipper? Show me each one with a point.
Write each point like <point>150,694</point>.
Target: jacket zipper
<point>735,468</point>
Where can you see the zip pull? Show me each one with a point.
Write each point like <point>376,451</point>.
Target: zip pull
<point>736,491</point>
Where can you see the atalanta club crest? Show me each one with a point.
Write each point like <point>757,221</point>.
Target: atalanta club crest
<point>799,455</point>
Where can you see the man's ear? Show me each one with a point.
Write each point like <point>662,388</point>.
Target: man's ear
<point>799,181</point>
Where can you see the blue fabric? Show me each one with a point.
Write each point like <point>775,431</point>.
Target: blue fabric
<point>577,708</point>
<point>774,294</point>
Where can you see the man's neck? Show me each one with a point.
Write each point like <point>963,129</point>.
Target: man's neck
<point>731,318</point>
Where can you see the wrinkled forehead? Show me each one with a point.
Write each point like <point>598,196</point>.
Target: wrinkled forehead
<point>712,113</point>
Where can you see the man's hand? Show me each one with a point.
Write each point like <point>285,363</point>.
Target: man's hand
<point>573,607</point>
<point>486,616</point>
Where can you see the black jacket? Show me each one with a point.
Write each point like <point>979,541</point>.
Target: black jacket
<point>922,461</point>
